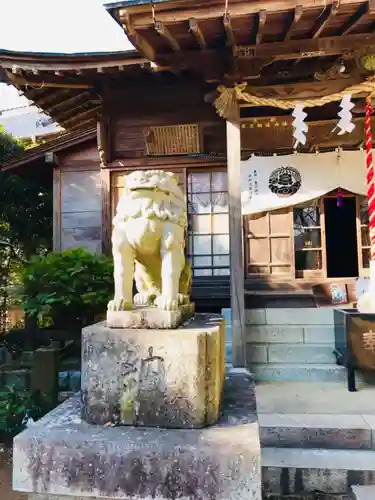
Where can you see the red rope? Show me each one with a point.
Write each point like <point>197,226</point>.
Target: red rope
<point>370,176</point>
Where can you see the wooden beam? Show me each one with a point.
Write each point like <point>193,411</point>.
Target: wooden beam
<point>58,67</point>
<point>197,32</point>
<point>293,49</point>
<point>326,17</point>
<point>165,33</point>
<point>237,286</point>
<point>228,30</point>
<point>296,17</point>
<point>23,82</point>
<point>365,10</point>
<point>261,21</point>
<point>138,41</point>
<point>301,90</point>
<point>173,15</point>
<point>300,49</point>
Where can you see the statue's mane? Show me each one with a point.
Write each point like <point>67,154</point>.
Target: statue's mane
<point>131,206</point>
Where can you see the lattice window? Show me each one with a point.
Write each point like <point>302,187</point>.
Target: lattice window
<point>208,249</point>
<point>307,238</point>
<point>173,140</point>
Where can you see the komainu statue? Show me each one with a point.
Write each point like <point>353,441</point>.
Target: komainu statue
<point>148,243</point>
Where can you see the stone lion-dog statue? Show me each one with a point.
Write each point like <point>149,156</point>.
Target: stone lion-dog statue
<point>148,243</point>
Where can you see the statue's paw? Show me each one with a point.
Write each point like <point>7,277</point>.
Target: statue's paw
<point>143,299</point>
<point>183,299</point>
<point>166,302</point>
<point>119,304</point>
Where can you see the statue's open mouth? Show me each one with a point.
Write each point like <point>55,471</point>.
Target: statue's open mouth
<point>149,188</point>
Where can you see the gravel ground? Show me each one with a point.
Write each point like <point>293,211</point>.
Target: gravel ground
<point>6,476</point>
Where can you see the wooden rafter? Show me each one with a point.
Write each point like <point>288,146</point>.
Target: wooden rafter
<point>326,17</point>
<point>79,117</point>
<point>167,35</point>
<point>90,122</point>
<point>296,17</point>
<point>197,32</point>
<point>364,11</point>
<point>261,22</point>
<point>50,97</point>
<point>141,43</point>
<point>71,112</point>
<point>67,102</point>
<point>168,15</point>
<point>228,30</point>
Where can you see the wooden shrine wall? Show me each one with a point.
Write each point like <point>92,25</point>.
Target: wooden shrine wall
<point>77,201</point>
<point>132,110</point>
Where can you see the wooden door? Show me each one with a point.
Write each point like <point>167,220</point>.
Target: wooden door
<point>269,247</point>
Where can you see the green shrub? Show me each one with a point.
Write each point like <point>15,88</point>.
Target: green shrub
<point>66,289</point>
<point>16,407</point>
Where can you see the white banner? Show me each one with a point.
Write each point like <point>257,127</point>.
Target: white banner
<point>272,182</point>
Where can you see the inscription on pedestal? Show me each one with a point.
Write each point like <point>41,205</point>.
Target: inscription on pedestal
<point>164,378</point>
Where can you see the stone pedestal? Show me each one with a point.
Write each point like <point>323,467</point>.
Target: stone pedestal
<point>62,456</point>
<point>150,317</point>
<point>163,378</point>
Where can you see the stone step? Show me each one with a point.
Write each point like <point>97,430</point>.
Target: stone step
<point>317,431</point>
<point>294,334</point>
<point>290,316</point>
<point>292,470</point>
<point>363,492</point>
<point>291,353</point>
<point>298,372</point>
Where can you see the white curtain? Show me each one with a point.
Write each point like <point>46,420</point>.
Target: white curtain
<point>273,182</point>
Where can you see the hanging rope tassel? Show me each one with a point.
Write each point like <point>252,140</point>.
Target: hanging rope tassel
<point>370,176</point>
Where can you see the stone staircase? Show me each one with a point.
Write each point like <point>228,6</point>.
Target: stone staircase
<point>328,453</point>
<point>290,344</point>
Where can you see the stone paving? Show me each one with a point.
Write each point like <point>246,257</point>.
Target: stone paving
<point>315,397</point>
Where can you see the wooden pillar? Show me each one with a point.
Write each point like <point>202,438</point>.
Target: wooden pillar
<point>237,286</point>
<point>106,210</point>
<point>102,139</point>
<point>56,209</point>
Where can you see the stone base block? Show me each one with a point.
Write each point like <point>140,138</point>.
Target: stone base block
<point>63,455</point>
<point>150,317</point>
<point>163,378</point>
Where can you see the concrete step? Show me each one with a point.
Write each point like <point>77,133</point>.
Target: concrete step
<point>292,470</point>
<point>317,431</point>
<point>363,492</point>
<point>298,372</point>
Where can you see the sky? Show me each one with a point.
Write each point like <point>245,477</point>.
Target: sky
<point>56,26</point>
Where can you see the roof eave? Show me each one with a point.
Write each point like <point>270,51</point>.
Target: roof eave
<point>62,142</point>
